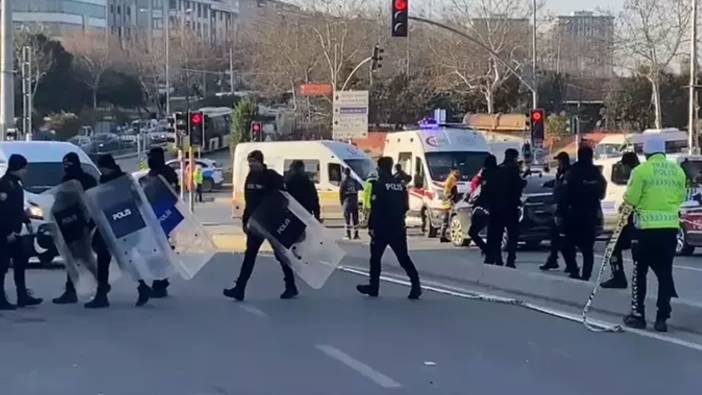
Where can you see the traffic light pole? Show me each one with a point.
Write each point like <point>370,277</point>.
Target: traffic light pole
<point>348,79</point>
<point>534,92</point>
<point>191,172</point>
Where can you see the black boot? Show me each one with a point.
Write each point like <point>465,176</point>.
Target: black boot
<point>290,292</point>
<point>159,289</point>
<point>68,297</point>
<point>234,293</point>
<point>368,290</point>
<point>635,321</point>
<point>550,264</point>
<point>618,281</point>
<point>415,292</point>
<point>145,293</point>
<point>348,235</point>
<point>5,305</point>
<point>99,301</point>
<point>356,236</point>
<point>25,299</point>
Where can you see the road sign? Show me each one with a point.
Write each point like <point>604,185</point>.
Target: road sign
<point>350,119</point>
<point>312,89</point>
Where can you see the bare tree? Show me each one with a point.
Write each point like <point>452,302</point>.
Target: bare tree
<point>147,64</point>
<point>40,51</point>
<point>651,33</point>
<point>94,54</point>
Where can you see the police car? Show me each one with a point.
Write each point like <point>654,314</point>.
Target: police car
<point>44,171</point>
<point>211,172</point>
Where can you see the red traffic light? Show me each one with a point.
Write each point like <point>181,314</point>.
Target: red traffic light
<point>399,5</point>
<point>196,118</point>
<point>256,127</point>
<point>537,116</point>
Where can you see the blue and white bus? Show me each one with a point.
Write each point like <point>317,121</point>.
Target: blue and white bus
<point>217,128</point>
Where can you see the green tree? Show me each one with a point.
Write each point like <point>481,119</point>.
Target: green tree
<point>245,111</point>
<point>628,106</point>
<point>557,125</point>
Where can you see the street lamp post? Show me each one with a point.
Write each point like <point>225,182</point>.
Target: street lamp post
<point>7,96</point>
<point>534,92</point>
<point>692,109</point>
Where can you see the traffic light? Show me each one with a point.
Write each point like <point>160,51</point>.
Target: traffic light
<point>400,18</point>
<point>538,131</point>
<point>180,124</point>
<point>377,58</point>
<point>196,127</point>
<point>255,131</point>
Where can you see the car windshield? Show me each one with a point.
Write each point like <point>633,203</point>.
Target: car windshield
<point>607,150</point>
<point>441,163</point>
<point>362,167</point>
<point>693,171</point>
<point>42,176</point>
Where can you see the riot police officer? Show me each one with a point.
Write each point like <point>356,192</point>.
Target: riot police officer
<point>348,195</point>
<point>556,238</point>
<point>13,218</point>
<point>387,228</point>
<point>260,183</point>
<point>73,171</point>
<point>299,186</point>
<point>580,212</point>
<point>158,167</point>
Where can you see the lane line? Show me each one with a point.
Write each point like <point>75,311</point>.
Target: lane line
<point>253,310</point>
<point>360,367</point>
<point>694,269</point>
<point>444,289</point>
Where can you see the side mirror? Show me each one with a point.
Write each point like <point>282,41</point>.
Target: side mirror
<point>418,182</point>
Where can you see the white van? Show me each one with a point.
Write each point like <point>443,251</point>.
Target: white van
<point>676,142</point>
<point>324,161</point>
<point>44,171</point>
<point>428,155</point>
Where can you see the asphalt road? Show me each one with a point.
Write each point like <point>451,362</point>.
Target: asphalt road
<point>131,164</point>
<point>331,341</point>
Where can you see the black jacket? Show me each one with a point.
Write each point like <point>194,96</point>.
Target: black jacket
<point>348,191</point>
<point>258,185</point>
<point>12,214</point>
<point>168,174</point>
<point>483,198</point>
<point>582,190</point>
<point>86,180</point>
<point>390,204</point>
<point>403,177</point>
<point>504,188</point>
<point>303,190</point>
<point>558,184</point>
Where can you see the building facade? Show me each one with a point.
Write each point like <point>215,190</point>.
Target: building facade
<point>581,45</point>
<point>60,17</point>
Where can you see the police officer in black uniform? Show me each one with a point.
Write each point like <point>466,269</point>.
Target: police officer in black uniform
<point>556,239</point>
<point>387,228</point>
<point>12,218</point>
<point>259,184</point>
<point>579,210</point>
<point>299,186</point>
<point>73,171</point>
<point>110,171</point>
<point>348,196</point>
<point>158,167</point>
<point>505,193</point>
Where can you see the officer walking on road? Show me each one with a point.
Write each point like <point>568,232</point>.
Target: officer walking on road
<point>505,198</point>
<point>626,240</point>
<point>656,190</point>
<point>579,210</point>
<point>109,171</point>
<point>13,217</point>
<point>158,167</point>
<point>300,187</point>
<point>480,202</point>
<point>557,240</point>
<point>260,183</point>
<point>348,195</point>
<point>386,225</point>
<point>73,171</point>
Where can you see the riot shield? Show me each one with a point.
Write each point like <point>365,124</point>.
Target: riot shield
<point>188,239</point>
<point>71,232</point>
<point>130,229</point>
<point>297,237</point>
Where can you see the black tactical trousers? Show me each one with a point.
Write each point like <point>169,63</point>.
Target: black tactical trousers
<point>253,245</point>
<point>398,243</point>
<point>656,250</point>
<point>13,252</point>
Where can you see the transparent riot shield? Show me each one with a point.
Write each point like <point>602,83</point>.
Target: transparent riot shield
<point>72,235</point>
<point>297,237</point>
<point>188,239</point>
<point>130,229</point>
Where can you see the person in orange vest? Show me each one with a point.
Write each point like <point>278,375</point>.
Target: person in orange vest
<point>194,179</point>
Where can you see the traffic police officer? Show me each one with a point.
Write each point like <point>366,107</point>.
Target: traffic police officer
<point>158,167</point>
<point>13,217</point>
<point>73,171</point>
<point>390,203</point>
<point>656,190</point>
<point>579,211</point>
<point>348,195</point>
<point>260,183</point>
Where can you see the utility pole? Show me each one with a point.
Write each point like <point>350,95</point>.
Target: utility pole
<point>168,53</point>
<point>27,92</point>
<point>534,92</point>
<point>7,96</point>
<point>692,120</point>
<point>231,70</point>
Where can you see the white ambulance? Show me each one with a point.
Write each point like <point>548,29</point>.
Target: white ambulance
<point>428,154</point>
<point>324,163</point>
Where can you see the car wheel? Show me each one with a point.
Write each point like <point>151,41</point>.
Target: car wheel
<point>681,247</point>
<point>458,238</point>
<point>207,185</point>
<point>532,244</point>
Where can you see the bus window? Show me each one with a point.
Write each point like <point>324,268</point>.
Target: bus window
<point>311,168</point>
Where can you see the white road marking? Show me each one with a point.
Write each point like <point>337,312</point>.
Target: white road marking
<point>467,294</point>
<point>253,310</point>
<point>360,367</point>
<point>694,269</point>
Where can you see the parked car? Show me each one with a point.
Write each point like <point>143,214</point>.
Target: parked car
<point>537,212</point>
<point>212,174</point>
<point>104,143</point>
